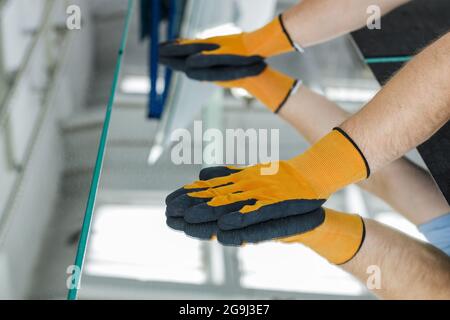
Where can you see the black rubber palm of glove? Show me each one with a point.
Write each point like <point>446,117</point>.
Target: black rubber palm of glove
<point>264,231</point>
<point>183,58</point>
<point>259,232</point>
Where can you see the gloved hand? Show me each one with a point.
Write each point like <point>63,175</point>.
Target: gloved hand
<point>334,235</point>
<point>237,198</point>
<point>270,87</point>
<point>236,61</point>
<point>242,49</point>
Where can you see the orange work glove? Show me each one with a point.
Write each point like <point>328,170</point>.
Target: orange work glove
<point>237,198</point>
<point>271,87</point>
<point>334,235</point>
<point>240,49</point>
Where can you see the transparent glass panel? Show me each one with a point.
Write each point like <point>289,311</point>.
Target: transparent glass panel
<point>131,253</point>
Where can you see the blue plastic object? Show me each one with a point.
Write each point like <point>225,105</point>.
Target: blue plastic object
<point>158,99</point>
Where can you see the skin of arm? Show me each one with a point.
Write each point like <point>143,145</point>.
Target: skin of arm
<point>314,21</point>
<point>420,96</point>
<point>404,262</point>
<point>410,108</point>
<point>409,269</point>
<point>314,116</point>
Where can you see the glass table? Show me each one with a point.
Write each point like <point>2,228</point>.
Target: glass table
<point>125,248</point>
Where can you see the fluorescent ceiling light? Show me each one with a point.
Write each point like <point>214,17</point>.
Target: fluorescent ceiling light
<point>240,93</point>
<point>134,242</point>
<point>396,221</point>
<point>155,154</point>
<point>315,276</point>
<point>133,84</point>
<point>349,94</point>
<point>222,30</point>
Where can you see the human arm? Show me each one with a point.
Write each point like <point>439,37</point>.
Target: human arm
<point>410,108</point>
<point>391,264</point>
<point>305,24</point>
<point>314,21</point>
<point>313,116</point>
<point>409,268</point>
<point>419,94</point>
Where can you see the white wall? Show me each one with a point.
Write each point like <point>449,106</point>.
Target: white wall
<point>33,205</point>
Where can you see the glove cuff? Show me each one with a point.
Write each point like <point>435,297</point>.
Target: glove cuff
<point>271,87</point>
<point>270,40</point>
<point>338,239</point>
<point>332,163</point>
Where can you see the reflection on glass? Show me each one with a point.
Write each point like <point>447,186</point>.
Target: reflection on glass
<point>132,253</point>
<point>276,266</point>
<point>131,242</point>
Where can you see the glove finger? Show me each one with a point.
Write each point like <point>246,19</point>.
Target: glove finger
<point>175,223</point>
<point>232,198</point>
<point>176,64</point>
<point>213,60</point>
<point>178,206</point>
<point>180,200</point>
<point>225,73</point>
<point>179,192</point>
<point>261,212</point>
<point>218,191</point>
<point>204,213</point>
<point>273,229</point>
<point>177,49</point>
<point>202,231</point>
<point>216,172</point>
<point>205,174</point>
<point>211,183</point>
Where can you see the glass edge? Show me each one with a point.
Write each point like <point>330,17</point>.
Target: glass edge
<point>90,205</point>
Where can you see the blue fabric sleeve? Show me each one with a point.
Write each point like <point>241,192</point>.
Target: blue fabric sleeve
<point>437,232</point>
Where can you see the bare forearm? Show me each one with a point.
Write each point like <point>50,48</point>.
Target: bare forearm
<point>408,110</point>
<point>314,116</point>
<point>311,114</point>
<point>409,190</point>
<point>409,269</point>
<point>314,21</point>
